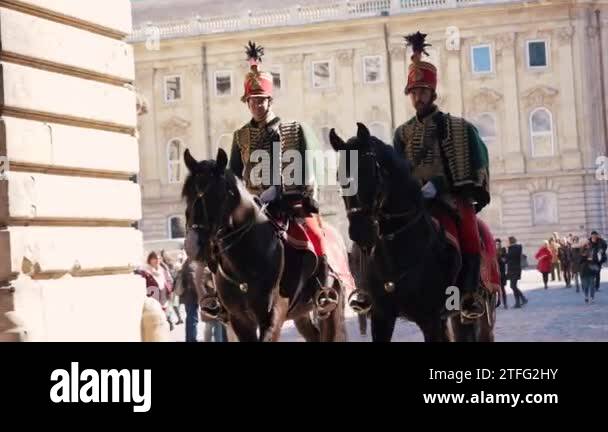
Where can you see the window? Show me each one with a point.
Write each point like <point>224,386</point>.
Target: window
<point>223,83</point>
<point>173,88</point>
<point>378,130</point>
<point>277,84</point>
<point>321,74</point>
<point>537,54</point>
<point>176,227</point>
<point>174,152</point>
<point>372,69</point>
<point>544,207</point>
<point>486,125</point>
<point>481,58</point>
<point>541,132</point>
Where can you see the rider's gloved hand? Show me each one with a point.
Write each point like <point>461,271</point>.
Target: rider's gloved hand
<point>429,191</point>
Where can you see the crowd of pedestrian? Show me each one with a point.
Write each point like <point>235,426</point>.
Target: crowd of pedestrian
<point>175,284</point>
<point>578,261</point>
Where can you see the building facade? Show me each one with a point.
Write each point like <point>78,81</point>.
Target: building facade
<point>531,75</point>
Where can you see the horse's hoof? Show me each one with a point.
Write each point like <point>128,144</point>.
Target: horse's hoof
<point>326,301</point>
<point>360,302</point>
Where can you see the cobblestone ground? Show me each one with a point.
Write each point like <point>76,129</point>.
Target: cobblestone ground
<point>556,314</point>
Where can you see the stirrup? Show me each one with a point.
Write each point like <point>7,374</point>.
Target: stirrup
<point>211,307</point>
<point>469,316</point>
<point>326,301</point>
<point>360,302</point>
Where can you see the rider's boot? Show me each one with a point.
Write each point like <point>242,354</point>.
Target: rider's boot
<point>471,302</point>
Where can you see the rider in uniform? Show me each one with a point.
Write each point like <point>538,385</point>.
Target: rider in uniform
<point>450,160</point>
<point>258,157</point>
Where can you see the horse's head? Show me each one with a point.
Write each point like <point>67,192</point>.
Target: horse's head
<point>211,195</point>
<point>362,205</point>
<point>385,189</point>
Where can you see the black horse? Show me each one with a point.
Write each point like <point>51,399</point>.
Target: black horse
<point>261,282</point>
<point>410,266</point>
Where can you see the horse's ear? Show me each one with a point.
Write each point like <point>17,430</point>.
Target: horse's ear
<point>191,163</point>
<point>222,160</point>
<point>363,132</point>
<point>336,142</point>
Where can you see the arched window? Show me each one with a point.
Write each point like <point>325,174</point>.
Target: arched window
<point>544,208</point>
<point>174,151</point>
<point>378,130</point>
<point>225,142</point>
<point>486,125</point>
<point>541,132</point>
<point>176,227</point>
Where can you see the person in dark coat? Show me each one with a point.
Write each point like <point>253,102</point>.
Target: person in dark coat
<point>591,258</point>
<point>514,253</point>
<point>501,257</point>
<point>564,254</point>
<point>599,244</point>
<point>576,262</point>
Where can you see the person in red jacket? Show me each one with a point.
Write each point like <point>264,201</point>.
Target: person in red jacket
<point>545,262</point>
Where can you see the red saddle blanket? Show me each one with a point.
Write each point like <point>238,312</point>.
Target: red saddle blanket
<point>490,273</point>
<point>320,238</point>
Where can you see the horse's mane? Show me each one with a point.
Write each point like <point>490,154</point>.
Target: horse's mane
<point>397,166</point>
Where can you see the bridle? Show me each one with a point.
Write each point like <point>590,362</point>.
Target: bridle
<point>221,238</point>
<point>377,214</point>
<point>375,211</point>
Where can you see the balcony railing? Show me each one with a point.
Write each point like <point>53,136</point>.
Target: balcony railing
<point>338,11</point>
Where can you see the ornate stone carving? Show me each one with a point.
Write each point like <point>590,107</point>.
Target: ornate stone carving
<point>175,126</point>
<point>397,52</point>
<point>485,100</point>
<point>194,72</point>
<point>540,96</point>
<point>345,57</point>
<point>293,59</point>
<point>592,32</point>
<point>564,35</point>
<point>504,41</point>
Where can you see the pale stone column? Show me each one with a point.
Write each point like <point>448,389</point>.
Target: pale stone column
<point>345,85</point>
<point>505,54</point>
<point>402,107</point>
<point>569,146</point>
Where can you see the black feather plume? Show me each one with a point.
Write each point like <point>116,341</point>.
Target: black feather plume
<point>254,52</point>
<point>417,42</point>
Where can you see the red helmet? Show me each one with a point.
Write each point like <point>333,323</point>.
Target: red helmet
<point>420,73</point>
<point>257,83</point>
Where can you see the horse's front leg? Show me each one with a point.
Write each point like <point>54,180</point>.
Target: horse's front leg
<point>270,331</point>
<point>383,325</point>
<point>435,330</point>
<point>244,328</point>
